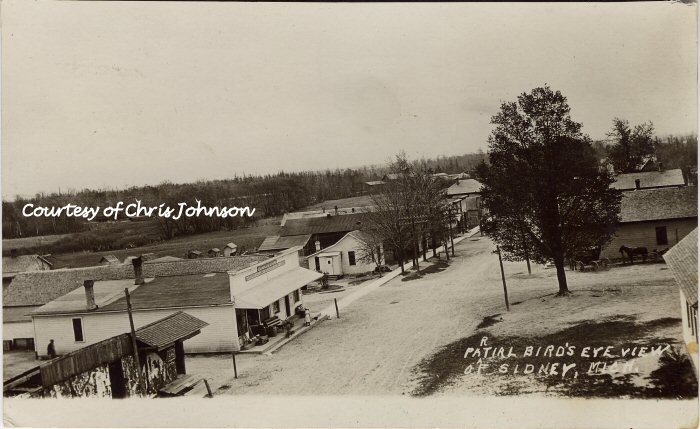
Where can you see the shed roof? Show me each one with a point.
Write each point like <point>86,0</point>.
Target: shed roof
<point>176,327</point>
<point>327,224</point>
<point>275,242</point>
<point>41,287</point>
<point>110,259</point>
<point>683,261</point>
<point>464,186</point>
<point>264,294</point>
<point>24,263</point>
<point>660,203</point>
<point>649,179</point>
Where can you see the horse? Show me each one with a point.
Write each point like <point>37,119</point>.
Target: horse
<point>632,252</point>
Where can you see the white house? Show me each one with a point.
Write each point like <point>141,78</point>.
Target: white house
<point>682,259</point>
<point>229,302</point>
<point>349,255</point>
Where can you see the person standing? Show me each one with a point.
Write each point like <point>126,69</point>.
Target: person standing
<point>307,317</point>
<point>51,350</point>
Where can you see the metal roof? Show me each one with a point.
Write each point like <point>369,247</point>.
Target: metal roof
<point>683,261</point>
<point>264,294</point>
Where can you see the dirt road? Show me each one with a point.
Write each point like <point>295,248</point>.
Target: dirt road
<point>376,345</point>
<point>379,338</point>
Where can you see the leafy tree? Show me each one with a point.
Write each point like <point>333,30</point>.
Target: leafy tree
<point>631,146</point>
<point>545,194</point>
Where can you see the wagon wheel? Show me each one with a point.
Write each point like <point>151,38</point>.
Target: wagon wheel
<point>604,263</point>
<point>580,266</point>
<point>595,265</point>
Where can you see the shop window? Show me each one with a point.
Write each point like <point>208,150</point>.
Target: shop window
<point>78,330</point>
<point>351,258</point>
<point>661,236</point>
<point>276,307</point>
<point>296,296</point>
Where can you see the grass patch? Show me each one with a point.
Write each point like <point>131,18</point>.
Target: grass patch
<point>672,376</point>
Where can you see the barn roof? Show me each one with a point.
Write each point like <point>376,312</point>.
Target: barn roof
<point>464,186</point>
<point>327,224</point>
<point>661,203</point>
<point>649,179</point>
<point>683,261</point>
<point>275,242</point>
<point>176,327</point>
<point>23,263</point>
<point>40,287</point>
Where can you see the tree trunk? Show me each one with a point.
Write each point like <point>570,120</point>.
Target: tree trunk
<point>561,277</point>
<point>529,270</point>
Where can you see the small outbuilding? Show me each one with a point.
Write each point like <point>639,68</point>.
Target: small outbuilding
<point>109,260</point>
<point>230,249</point>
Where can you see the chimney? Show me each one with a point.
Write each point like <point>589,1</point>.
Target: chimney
<point>318,245</point>
<point>138,271</point>
<point>336,210</point>
<point>90,294</point>
<point>637,184</point>
<point>661,166</point>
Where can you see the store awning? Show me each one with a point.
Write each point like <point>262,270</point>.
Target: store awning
<point>277,287</point>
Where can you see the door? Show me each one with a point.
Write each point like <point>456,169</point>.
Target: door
<point>287,306</point>
<point>116,380</point>
<point>318,263</point>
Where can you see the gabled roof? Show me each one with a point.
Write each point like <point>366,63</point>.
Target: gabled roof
<point>275,242</point>
<point>358,235</point>
<point>661,203</point>
<point>176,327</point>
<point>464,186</point>
<point>40,287</point>
<point>23,263</point>
<point>649,179</point>
<point>327,224</point>
<point>232,246</point>
<point>683,261</point>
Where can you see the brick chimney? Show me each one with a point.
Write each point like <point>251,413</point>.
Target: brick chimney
<point>637,184</point>
<point>336,210</point>
<point>90,294</point>
<point>318,245</point>
<point>138,270</point>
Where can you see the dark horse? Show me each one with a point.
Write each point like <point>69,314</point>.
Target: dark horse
<point>632,252</point>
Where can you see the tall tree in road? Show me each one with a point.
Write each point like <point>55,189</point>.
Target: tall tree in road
<point>631,146</point>
<point>545,191</point>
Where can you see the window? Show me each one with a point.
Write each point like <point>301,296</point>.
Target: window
<point>78,329</point>
<point>351,258</point>
<point>276,307</point>
<point>296,296</point>
<point>661,237</point>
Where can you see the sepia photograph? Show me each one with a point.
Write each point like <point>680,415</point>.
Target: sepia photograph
<point>356,215</point>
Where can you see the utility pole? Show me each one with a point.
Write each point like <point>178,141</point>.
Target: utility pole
<point>503,277</point>
<point>142,385</point>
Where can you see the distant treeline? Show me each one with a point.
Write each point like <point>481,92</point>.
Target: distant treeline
<point>270,195</point>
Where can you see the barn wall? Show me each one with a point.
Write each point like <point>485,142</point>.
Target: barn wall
<point>643,234</point>
<point>89,384</point>
<point>217,337</point>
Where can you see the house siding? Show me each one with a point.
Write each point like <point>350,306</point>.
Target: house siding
<point>12,330</point>
<point>219,336</point>
<point>690,334</point>
<point>345,245</point>
<point>643,234</point>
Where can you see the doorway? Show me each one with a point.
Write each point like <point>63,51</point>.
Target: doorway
<point>287,306</point>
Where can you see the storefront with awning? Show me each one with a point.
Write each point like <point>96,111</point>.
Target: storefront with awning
<point>268,293</point>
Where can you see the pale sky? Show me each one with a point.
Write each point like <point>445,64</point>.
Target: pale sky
<point>111,94</point>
